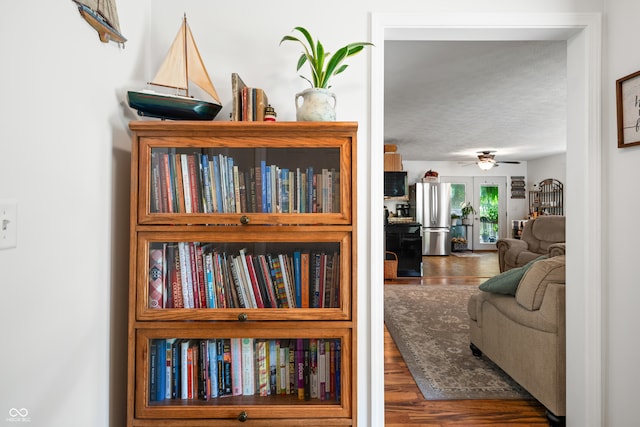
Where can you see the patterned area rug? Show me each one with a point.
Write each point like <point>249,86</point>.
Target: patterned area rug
<point>429,324</point>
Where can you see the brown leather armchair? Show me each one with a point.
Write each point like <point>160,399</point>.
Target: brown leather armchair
<point>544,235</point>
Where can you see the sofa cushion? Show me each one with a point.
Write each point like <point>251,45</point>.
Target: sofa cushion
<point>507,282</point>
<point>532,286</point>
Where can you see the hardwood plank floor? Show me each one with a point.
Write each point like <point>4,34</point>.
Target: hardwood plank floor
<point>405,405</point>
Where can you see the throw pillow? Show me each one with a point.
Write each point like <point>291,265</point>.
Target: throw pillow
<point>534,283</point>
<point>507,282</point>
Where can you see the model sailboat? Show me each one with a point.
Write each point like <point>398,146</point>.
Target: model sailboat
<point>182,65</point>
<point>102,15</point>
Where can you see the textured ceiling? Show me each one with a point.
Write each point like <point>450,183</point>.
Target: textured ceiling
<point>448,100</point>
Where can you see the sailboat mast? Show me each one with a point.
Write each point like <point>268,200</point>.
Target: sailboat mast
<point>186,61</point>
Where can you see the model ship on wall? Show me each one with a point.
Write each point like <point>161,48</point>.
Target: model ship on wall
<point>102,15</point>
<point>181,65</point>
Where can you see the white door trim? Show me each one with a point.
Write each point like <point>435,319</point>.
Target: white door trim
<point>583,32</point>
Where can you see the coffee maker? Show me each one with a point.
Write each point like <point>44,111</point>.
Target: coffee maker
<point>402,210</point>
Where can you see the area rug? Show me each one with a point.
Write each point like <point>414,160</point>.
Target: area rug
<point>429,324</point>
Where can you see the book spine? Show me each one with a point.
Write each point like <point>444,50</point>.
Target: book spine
<point>293,375</point>
<point>300,368</point>
<point>322,375</point>
<point>274,353</point>
<point>263,368</point>
<point>184,273</point>
<point>206,184</point>
<point>283,370</point>
<point>203,370</point>
<point>236,366</point>
<point>256,301</point>
<point>153,368</point>
<point>236,187</point>
<point>202,284</point>
<point>156,277</point>
<point>184,372</point>
<point>297,276</point>
<point>168,368</point>
<point>154,192</point>
<point>208,270</point>
<point>338,376</point>
<point>213,368</point>
<point>263,186</point>
<point>248,367</point>
<point>306,373</point>
<point>186,184</point>
<point>304,279</point>
<point>313,368</point>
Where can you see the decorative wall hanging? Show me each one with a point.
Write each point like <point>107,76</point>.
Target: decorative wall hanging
<point>628,108</point>
<point>102,15</point>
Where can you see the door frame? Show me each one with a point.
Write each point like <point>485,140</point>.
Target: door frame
<point>584,312</point>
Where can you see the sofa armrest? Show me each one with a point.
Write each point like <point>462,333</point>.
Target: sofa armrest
<point>507,245</point>
<point>557,249</point>
<point>553,305</point>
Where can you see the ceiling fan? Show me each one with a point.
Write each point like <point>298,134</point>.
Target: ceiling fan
<point>486,160</point>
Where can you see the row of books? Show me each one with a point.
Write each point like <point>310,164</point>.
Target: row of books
<point>200,275</point>
<point>201,183</point>
<point>204,369</point>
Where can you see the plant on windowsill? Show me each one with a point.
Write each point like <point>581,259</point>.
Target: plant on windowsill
<point>455,219</point>
<point>324,65</point>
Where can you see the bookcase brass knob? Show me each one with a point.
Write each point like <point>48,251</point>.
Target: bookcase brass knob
<point>244,220</point>
<point>243,416</point>
<point>243,316</point>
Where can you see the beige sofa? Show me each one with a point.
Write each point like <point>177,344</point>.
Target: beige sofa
<point>524,334</point>
<point>540,236</point>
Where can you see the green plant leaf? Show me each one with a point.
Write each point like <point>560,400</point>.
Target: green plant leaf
<point>322,63</point>
<point>301,61</point>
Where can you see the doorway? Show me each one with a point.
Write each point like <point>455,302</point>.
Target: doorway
<point>584,314</point>
<point>489,223</point>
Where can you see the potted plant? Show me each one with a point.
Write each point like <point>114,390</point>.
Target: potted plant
<point>467,210</point>
<point>317,105</point>
<point>455,219</point>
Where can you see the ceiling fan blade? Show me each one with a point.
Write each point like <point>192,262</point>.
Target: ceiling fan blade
<point>508,161</point>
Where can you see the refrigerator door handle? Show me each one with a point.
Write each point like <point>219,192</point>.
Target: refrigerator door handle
<point>434,203</point>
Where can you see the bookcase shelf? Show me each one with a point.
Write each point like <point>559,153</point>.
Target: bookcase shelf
<point>261,254</point>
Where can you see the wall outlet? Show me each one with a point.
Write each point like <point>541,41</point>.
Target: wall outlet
<point>8,224</point>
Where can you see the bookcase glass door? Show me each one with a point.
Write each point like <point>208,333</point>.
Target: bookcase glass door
<point>251,373</point>
<point>264,275</point>
<point>244,180</point>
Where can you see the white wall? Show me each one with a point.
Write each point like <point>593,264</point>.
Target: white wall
<point>621,176</point>
<point>64,158</point>
<point>547,167</point>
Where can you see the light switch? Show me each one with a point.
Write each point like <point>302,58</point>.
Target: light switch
<point>8,224</point>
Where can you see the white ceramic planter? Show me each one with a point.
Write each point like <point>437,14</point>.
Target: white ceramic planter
<point>318,105</point>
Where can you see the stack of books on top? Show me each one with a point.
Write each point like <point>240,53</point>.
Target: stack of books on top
<point>248,102</point>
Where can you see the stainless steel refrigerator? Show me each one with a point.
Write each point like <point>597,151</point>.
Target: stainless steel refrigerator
<point>432,204</point>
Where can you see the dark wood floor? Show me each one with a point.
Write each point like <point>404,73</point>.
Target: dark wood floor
<point>404,404</point>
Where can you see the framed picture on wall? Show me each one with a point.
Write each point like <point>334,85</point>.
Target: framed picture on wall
<point>628,108</point>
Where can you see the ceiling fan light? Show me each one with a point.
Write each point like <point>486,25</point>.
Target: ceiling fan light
<point>485,165</point>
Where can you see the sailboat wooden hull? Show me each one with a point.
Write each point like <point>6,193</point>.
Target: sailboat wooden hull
<point>105,31</point>
<point>151,104</point>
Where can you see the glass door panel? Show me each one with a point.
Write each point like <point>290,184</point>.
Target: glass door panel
<point>490,221</point>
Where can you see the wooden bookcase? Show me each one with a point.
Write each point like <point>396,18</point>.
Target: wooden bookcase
<point>209,303</point>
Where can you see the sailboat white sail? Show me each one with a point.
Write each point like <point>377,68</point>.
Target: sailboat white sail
<point>102,15</point>
<point>182,65</point>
